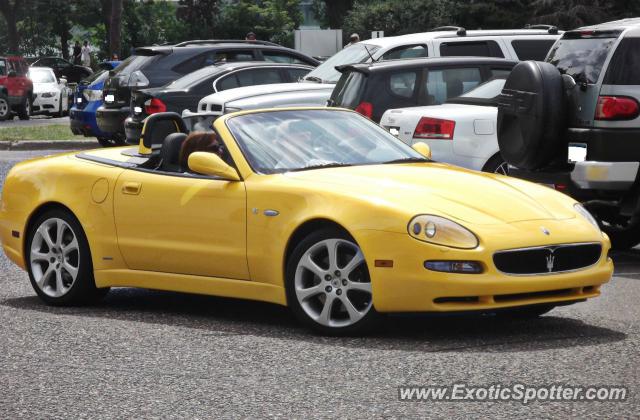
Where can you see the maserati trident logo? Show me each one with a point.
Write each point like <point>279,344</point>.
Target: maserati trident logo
<point>545,230</point>
<point>551,259</point>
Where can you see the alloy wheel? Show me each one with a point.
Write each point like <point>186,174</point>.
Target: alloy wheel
<point>332,283</point>
<point>4,107</point>
<point>502,169</point>
<point>54,257</point>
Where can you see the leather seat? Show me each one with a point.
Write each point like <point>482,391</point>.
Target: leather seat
<point>170,152</point>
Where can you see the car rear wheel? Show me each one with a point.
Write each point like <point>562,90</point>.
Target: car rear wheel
<point>59,260</point>
<point>496,165</point>
<point>328,284</point>
<point>111,141</point>
<point>5,108</point>
<point>24,111</point>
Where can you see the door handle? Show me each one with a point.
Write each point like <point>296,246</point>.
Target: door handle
<point>132,188</point>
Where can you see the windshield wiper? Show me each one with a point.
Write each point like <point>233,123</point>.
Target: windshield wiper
<point>313,79</point>
<point>322,166</point>
<point>408,160</point>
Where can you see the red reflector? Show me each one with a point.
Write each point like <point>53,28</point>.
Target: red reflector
<point>365,108</point>
<point>154,105</point>
<point>560,187</point>
<point>434,128</point>
<point>616,108</point>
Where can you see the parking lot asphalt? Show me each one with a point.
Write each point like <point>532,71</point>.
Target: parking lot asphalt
<point>35,120</point>
<point>145,353</point>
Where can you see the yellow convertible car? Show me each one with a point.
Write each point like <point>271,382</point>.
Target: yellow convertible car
<point>318,209</point>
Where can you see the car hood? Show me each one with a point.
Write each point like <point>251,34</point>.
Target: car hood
<point>45,87</point>
<point>468,196</point>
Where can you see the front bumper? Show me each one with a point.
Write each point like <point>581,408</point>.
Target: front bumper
<point>409,287</point>
<point>42,105</point>
<point>111,120</point>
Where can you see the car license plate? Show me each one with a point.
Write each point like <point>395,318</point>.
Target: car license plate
<point>109,98</point>
<point>577,152</point>
<point>137,110</point>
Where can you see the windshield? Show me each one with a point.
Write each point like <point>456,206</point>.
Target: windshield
<point>283,141</point>
<point>581,58</point>
<point>42,76</point>
<point>487,90</point>
<point>356,53</point>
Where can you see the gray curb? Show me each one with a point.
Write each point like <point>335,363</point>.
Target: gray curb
<point>49,145</point>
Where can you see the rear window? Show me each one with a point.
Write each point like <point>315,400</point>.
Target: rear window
<point>443,84</point>
<point>582,55</point>
<point>356,53</point>
<point>133,63</point>
<point>409,51</point>
<point>532,49</point>
<point>625,64</point>
<point>471,49</point>
<point>348,89</point>
<point>403,84</point>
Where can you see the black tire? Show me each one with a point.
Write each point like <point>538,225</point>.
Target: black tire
<point>497,165</point>
<point>527,312</point>
<point>114,141</point>
<point>60,112</point>
<point>531,116</point>
<point>622,237</point>
<point>5,107</point>
<point>24,110</point>
<point>364,324</point>
<point>83,289</point>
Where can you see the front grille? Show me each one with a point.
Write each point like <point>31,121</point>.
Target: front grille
<point>548,259</point>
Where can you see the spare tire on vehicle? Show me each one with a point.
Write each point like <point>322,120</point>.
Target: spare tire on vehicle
<point>531,116</point>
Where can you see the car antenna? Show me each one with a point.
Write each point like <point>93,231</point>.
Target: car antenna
<point>373,60</point>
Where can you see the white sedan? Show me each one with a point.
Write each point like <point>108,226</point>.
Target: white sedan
<point>461,131</point>
<point>50,95</point>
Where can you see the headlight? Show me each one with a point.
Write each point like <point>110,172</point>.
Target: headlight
<point>441,231</point>
<point>585,213</point>
<point>48,94</point>
<point>92,95</point>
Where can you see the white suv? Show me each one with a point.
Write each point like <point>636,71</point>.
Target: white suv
<point>532,43</point>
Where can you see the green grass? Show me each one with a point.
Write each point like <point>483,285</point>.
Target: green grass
<point>40,132</point>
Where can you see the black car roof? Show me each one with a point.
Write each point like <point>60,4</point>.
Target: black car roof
<point>421,62</point>
<point>222,68</point>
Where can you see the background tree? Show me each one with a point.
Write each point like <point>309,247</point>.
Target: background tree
<point>331,13</point>
<point>397,17</point>
<point>10,10</point>
<point>199,18</point>
<point>272,20</point>
<point>115,25</point>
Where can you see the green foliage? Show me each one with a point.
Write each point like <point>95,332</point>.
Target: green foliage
<point>397,17</point>
<point>272,20</point>
<point>199,18</point>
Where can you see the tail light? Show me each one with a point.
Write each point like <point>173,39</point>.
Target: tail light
<point>434,128</point>
<point>616,108</point>
<point>154,105</point>
<point>365,108</point>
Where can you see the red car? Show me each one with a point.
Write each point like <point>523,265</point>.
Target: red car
<point>16,90</point>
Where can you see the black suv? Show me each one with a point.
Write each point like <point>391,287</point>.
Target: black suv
<point>159,65</point>
<point>573,123</point>
<point>186,92</point>
<point>372,89</point>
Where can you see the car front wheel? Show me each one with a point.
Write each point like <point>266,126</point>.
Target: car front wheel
<point>5,108</point>
<point>59,260</point>
<point>328,284</point>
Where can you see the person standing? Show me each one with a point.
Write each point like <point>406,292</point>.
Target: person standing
<point>86,54</point>
<point>353,39</point>
<point>77,51</point>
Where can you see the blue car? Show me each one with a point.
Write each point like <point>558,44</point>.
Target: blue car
<point>87,98</point>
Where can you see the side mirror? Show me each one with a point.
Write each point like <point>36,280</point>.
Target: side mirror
<point>206,163</point>
<point>12,73</point>
<point>423,149</point>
